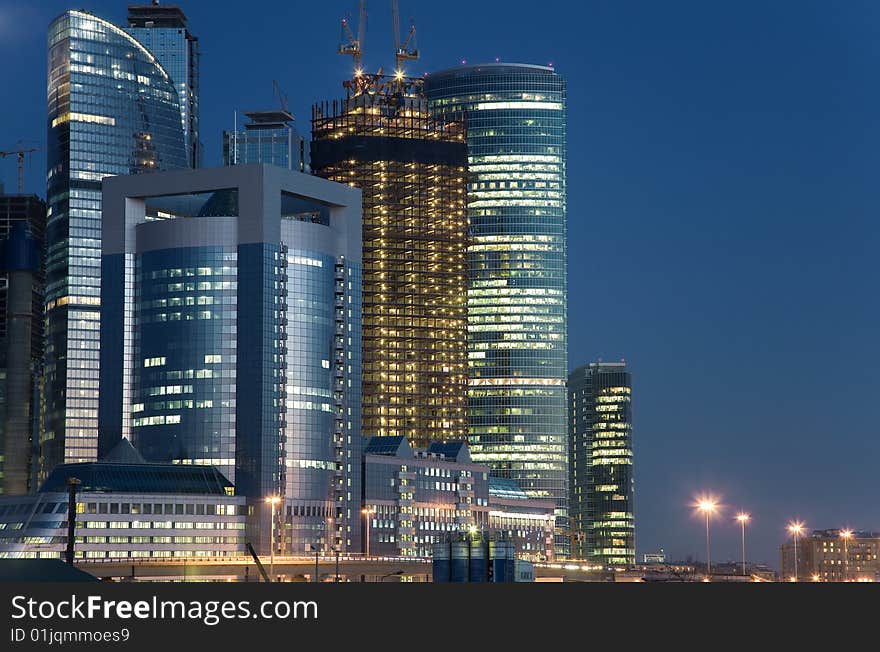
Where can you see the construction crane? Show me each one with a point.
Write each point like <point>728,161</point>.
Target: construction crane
<point>20,152</point>
<point>283,100</point>
<point>354,46</point>
<point>406,50</point>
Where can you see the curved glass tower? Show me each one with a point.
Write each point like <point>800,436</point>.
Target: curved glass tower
<point>517,359</point>
<point>112,110</point>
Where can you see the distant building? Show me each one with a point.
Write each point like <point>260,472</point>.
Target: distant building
<point>271,138</point>
<point>163,30</point>
<point>826,556</point>
<point>230,337</point>
<point>414,498</point>
<point>127,509</point>
<point>654,557</point>
<point>22,278</point>
<point>601,463</point>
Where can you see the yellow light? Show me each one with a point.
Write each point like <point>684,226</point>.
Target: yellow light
<point>707,505</point>
<point>846,534</point>
<point>796,528</point>
<point>815,577</point>
<point>358,72</point>
<point>742,517</point>
<point>398,74</point>
<point>273,500</point>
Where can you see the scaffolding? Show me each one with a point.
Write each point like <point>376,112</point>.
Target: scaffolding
<point>412,170</point>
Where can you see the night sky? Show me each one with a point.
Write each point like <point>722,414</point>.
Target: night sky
<point>722,167</point>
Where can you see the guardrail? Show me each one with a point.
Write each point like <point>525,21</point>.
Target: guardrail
<point>245,559</point>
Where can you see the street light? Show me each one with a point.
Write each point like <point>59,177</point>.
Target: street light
<point>272,500</point>
<point>708,506</point>
<point>366,511</point>
<point>743,518</point>
<point>795,528</point>
<point>336,550</point>
<point>846,535</point>
<point>316,549</point>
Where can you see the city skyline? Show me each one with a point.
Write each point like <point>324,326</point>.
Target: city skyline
<point>734,350</point>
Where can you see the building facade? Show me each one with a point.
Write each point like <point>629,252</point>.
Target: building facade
<point>129,510</point>
<point>832,556</point>
<point>270,137</point>
<point>517,355</point>
<point>112,110</point>
<point>529,524</point>
<point>412,171</point>
<point>22,244</point>
<point>415,498</point>
<point>163,30</point>
<point>230,337</point>
<point>601,464</point>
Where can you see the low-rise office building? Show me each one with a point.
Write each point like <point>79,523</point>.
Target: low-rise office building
<point>127,509</point>
<point>414,498</point>
<point>527,522</point>
<point>833,556</point>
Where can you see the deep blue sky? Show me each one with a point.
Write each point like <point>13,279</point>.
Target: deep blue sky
<point>723,178</point>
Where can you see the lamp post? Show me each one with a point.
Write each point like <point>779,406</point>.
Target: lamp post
<point>272,500</point>
<point>72,485</point>
<point>743,518</point>
<point>317,550</point>
<point>796,529</point>
<point>708,506</point>
<point>846,535</point>
<point>336,550</point>
<point>366,511</point>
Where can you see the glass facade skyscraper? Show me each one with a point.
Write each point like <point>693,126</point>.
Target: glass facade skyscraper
<point>112,110</point>
<point>163,30</point>
<point>230,336</point>
<point>412,171</point>
<point>270,137</point>
<point>601,463</point>
<point>517,358</point>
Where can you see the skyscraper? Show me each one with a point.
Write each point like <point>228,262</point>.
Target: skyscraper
<point>270,137</point>
<point>163,31</point>
<point>412,171</point>
<point>230,336</point>
<point>112,110</point>
<point>22,238</point>
<point>516,121</point>
<point>601,463</point>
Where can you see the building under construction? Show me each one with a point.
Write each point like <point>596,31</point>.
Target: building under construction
<point>22,241</point>
<point>412,170</point>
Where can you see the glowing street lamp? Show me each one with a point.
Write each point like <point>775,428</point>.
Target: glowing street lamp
<point>272,500</point>
<point>366,511</point>
<point>796,529</point>
<point>846,535</point>
<point>707,506</point>
<point>743,518</point>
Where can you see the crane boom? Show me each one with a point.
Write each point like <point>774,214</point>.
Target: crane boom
<point>351,45</point>
<point>19,153</point>
<point>406,50</point>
